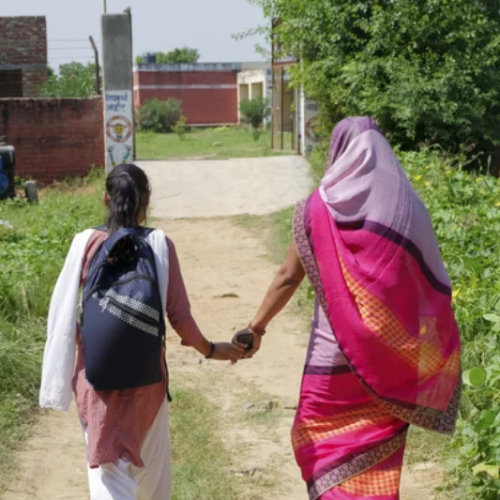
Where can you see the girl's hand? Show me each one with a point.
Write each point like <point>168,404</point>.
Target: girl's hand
<point>225,351</point>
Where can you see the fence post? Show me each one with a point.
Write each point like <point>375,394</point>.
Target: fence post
<point>97,69</point>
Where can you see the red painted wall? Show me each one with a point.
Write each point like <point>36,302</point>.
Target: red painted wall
<point>216,102</point>
<point>54,138</point>
<point>201,107</point>
<point>188,78</point>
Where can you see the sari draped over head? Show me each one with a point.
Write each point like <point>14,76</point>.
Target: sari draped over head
<point>368,247</point>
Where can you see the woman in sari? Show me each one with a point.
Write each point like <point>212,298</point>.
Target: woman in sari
<point>384,350</point>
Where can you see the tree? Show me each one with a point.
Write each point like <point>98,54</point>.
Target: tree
<point>73,80</point>
<point>176,56</point>
<point>426,70</point>
<point>254,111</point>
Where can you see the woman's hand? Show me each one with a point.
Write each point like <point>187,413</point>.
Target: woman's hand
<point>257,340</point>
<point>225,351</point>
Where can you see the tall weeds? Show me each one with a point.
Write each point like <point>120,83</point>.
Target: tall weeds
<point>32,250</point>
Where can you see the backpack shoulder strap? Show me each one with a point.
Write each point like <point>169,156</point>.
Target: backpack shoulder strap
<point>147,231</point>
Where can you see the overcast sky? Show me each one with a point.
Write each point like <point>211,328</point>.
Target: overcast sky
<point>158,25</point>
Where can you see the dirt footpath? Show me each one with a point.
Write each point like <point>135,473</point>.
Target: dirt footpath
<point>227,273</point>
<point>226,276</point>
<point>219,188</point>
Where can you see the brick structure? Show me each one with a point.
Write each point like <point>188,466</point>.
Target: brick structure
<point>54,138</point>
<point>23,56</point>
<point>208,92</point>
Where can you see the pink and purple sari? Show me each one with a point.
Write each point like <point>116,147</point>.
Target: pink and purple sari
<point>385,349</point>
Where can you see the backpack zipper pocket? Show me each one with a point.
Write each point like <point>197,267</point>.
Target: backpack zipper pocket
<point>118,283</point>
<point>131,311</point>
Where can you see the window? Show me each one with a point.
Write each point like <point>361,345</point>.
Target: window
<point>11,83</point>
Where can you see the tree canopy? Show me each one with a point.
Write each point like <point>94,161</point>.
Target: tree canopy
<point>426,70</point>
<point>176,56</point>
<point>73,80</point>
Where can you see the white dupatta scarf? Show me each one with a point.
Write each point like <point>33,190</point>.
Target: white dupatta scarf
<point>59,356</point>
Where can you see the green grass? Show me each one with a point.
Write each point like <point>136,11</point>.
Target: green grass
<point>32,255</point>
<point>276,229</point>
<point>199,457</point>
<point>424,447</point>
<point>235,143</point>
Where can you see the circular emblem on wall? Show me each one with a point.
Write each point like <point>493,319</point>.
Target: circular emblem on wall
<point>311,132</point>
<point>119,129</point>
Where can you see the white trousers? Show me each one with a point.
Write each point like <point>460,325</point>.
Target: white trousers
<point>122,481</point>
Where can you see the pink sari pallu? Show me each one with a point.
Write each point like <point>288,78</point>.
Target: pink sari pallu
<point>367,244</point>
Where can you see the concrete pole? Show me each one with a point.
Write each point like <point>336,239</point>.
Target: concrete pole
<point>118,91</point>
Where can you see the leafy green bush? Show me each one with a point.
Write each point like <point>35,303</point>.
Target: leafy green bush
<point>426,70</point>
<point>159,116</point>
<point>476,462</point>
<point>180,127</point>
<point>254,111</point>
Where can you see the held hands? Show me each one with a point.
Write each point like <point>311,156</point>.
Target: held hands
<point>248,340</point>
<point>225,351</point>
<point>244,345</point>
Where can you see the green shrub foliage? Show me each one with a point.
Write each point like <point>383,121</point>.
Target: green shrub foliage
<point>159,116</point>
<point>426,70</point>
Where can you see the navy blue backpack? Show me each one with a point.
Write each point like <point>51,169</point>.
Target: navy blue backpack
<point>123,322</point>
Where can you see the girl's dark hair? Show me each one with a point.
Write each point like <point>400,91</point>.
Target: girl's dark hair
<point>128,189</point>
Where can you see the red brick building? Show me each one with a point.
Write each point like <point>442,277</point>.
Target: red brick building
<point>208,91</point>
<point>23,56</point>
<point>54,138</point>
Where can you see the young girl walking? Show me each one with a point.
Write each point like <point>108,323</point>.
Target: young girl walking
<point>126,429</point>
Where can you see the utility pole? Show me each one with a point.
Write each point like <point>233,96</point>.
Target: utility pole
<point>97,69</point>
<point>105,6</point>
